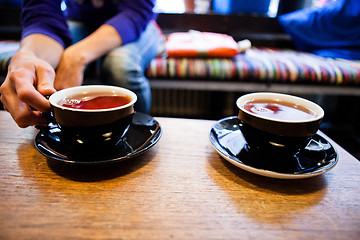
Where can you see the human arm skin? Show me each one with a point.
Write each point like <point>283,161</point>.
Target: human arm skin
<point>30,77</point>
<point>31,73</point>
<point>75,58</point>
<point>33,67</point>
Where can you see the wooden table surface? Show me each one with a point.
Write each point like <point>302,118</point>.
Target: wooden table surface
<point>179,189</point>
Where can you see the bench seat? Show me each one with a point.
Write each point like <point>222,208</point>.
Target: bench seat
<point>262,65</point>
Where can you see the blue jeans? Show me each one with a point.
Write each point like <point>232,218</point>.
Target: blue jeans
<point>125,66</point>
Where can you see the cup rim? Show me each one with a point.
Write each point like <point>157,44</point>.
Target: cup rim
<point>61,94</point>
<point>281,96</point>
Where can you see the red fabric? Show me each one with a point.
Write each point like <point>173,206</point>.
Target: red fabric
<point>201,44</point>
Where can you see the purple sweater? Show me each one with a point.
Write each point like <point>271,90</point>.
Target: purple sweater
<point>128,17</point>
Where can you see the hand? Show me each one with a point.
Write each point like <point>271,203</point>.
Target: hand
<point>70,72</point>
<point>29,79</point>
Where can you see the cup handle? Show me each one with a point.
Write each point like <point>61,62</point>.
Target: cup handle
<point>50,117</point>
<point>316,150</point>
<point>317,146</point>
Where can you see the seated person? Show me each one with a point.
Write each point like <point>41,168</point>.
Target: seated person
<point>330,31</point>
<point>59,41</point>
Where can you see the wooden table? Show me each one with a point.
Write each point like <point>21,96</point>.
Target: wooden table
<point>179,189</point>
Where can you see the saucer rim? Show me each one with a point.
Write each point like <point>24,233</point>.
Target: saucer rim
<point>264,172</point>
<point>149,142</point>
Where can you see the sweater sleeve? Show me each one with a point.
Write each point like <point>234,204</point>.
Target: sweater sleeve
<point>45,17</point>
<point>132,18</point>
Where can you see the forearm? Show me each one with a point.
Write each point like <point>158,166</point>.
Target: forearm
<point>42,47</point>
<point>100,42</point>
<point>75,58</point>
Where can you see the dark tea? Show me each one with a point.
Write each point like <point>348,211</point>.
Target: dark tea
<point>95,100</point>
<point>279,110</point>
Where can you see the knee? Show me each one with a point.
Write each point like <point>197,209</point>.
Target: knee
<point>119,65</point>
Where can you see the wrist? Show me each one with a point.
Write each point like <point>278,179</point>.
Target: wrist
<point>42,47</point>
<point>77,56</point>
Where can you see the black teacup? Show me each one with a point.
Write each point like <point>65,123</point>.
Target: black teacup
<point>93,118</point>
<point>275,123</point>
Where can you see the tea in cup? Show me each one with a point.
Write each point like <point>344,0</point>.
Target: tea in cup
<point>94,117</point>
<point>278,123</point>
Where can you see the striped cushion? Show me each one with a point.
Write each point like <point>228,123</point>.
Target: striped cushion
<point>261,65</point>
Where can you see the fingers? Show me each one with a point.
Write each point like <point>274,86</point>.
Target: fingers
<point>25,87</point>
<point>69,73</point>
<point>68,79</point>
<point>21,112</point>
<point>25,84</point>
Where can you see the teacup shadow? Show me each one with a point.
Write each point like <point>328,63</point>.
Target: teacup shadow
<point>276,200</point>
<point>99,172</point>
<point>283,186</point>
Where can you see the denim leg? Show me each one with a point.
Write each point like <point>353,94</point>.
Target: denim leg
<point>125,66</point>
<point>79,30</point>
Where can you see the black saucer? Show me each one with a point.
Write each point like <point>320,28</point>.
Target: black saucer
<point>317,158</point>
<point>143,133</point>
